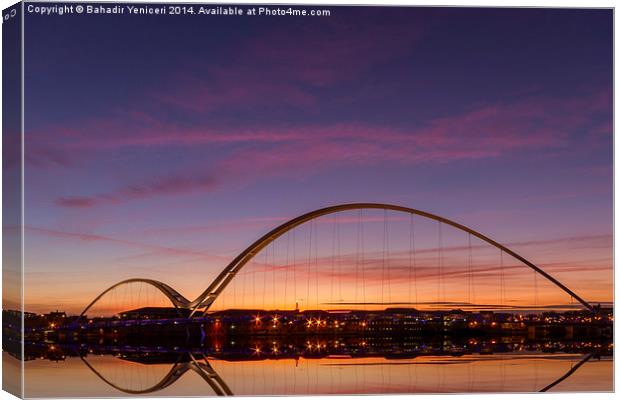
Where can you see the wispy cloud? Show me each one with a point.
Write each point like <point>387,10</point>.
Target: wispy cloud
<point>88,237</point>
<point>157,187</point>
<point>247,154</point>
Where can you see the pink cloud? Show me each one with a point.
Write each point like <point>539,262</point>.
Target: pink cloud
<point>234,225</point>
<point>88,237</point>
<point>77,201</point>
<point>158,187</point>
<point>486,129</point>
<point>484,132</point>
<point>36,154</point>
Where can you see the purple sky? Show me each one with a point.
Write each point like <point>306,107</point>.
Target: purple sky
<point>159,144</point>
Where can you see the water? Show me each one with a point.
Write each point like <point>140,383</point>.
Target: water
<point>181,373</point>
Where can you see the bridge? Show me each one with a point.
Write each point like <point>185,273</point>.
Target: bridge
<point>387,263</point>
<point>196,362</point>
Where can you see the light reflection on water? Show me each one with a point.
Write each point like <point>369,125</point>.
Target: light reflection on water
<point>514,372</point>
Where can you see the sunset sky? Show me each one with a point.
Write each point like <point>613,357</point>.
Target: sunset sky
<point>161,147</point>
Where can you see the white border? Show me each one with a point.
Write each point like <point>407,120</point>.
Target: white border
<point>462,3</point>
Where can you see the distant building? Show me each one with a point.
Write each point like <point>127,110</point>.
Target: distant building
<point>55,315</point>
<point>153,313</point>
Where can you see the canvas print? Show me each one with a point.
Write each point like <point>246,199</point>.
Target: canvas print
<point>245,199</point>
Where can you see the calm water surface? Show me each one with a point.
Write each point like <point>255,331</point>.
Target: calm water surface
<point>115,375</point>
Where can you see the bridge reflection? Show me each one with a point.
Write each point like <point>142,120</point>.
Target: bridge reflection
<point>185,362</point>
<point>119,365</point>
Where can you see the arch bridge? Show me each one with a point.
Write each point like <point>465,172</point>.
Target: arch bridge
<point>204,301</point>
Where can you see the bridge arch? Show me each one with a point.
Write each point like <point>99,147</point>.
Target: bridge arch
<point>202,367</point>
<point>178,301</point>
<point>206,299</point>
<point>211,293</point>
<point>176,371</point>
